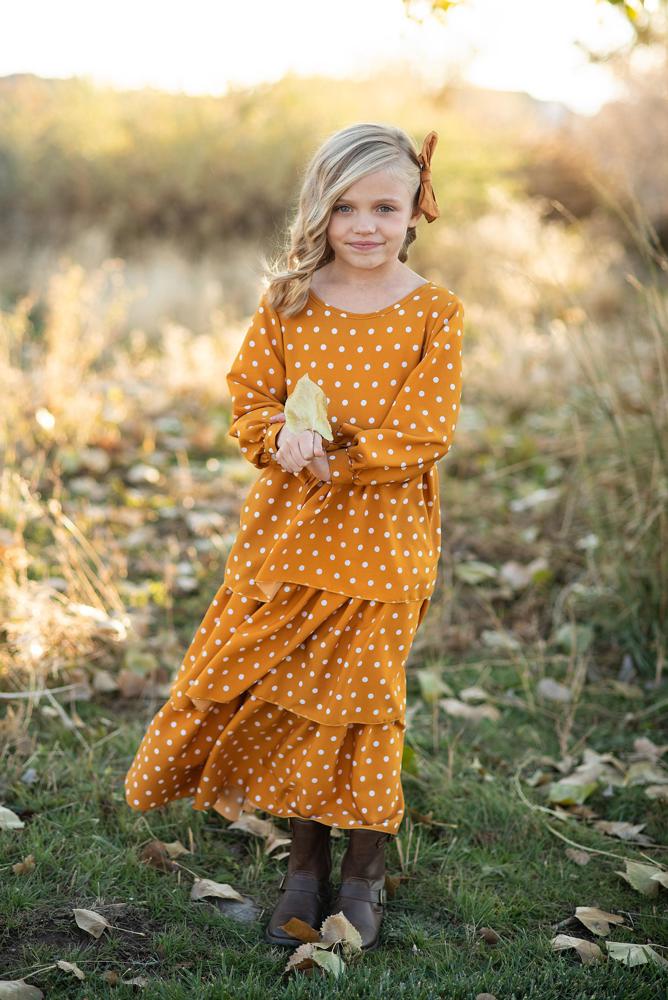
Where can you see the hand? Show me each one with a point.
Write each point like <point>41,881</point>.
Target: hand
<point>299,451</point>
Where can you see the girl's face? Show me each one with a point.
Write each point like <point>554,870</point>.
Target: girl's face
<point>376,211</point>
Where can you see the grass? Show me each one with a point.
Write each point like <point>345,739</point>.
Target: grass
<point>119,493</point>
<point>492,863</point>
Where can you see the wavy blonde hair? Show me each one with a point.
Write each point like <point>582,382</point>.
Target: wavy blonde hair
<point>340,160</point>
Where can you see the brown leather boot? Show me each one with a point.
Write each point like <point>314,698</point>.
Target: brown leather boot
<point>361,893</point>
<point>305,889</point>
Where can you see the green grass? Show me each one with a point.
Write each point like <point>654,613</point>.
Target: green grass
<point>495,864</point>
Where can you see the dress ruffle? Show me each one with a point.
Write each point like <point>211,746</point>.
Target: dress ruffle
<point>295,706</point>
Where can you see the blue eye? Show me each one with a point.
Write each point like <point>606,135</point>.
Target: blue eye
<point>337,208</point>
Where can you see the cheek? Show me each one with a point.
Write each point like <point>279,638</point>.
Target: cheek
<point>337,225</point>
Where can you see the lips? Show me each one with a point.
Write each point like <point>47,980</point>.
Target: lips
<point>365,244</point>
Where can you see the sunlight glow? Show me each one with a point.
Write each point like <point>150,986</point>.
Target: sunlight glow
<point>204,46</point>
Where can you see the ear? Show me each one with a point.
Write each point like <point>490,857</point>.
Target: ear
<point>415,217</point>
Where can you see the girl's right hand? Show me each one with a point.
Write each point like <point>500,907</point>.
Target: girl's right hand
<point>295,451</point>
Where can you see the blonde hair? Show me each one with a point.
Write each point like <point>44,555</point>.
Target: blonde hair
<point>341,160</point>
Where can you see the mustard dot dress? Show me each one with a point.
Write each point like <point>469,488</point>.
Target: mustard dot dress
<point>291,697</point>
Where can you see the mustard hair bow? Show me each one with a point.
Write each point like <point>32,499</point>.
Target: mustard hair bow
<point>426,197</point>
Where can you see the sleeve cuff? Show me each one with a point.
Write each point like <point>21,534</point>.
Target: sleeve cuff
<point>341,470</point>
<point>270,435</point>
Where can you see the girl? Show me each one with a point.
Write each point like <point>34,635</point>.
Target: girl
<point>291,696</point>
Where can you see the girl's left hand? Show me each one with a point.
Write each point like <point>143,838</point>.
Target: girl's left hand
<point>318,466</point>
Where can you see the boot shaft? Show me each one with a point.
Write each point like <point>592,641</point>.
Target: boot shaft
<point>365,855</point>
<point>310,847</point>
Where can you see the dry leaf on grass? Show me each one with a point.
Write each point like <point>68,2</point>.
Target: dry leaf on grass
<point>460,710</point>
<point>91,922</point>
<point>645,879</point>
<point>625,831</point>
<point>156,855</point>
<point>9,820</point>
<point>272,835</point>
<point>579,857</point>
<point>25,866</point>
<point>337,941</point>
<point>588,951</point>
<point>299,929</point>
<point>207,887</point>
<point>597,921</point>
<point>70,967</point>
<point>634,954</point>
<point>18,989</point>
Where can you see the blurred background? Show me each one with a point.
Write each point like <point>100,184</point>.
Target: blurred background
<point>150,155</point>
<point>149,159</point>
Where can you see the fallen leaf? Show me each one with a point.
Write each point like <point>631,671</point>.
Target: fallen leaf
<point>10,821</point>
<point>641,877</point>
<point>272,843</point>
<point>207,887</point>
<point>329,961</point>
<point>460,710</point>
<point>250,823</point>
<point>175,848</point>
<point>18,989</point>
<point>156,855</point>
<point>25,866</point>
<point>570,793</point>
<point>657,792</point>
<point>588,951</point>
<point>624,831</point>
<point>337,928</point>
<point>646,773</point>
<point>597,921</point>
<point>70,967</point>
<point>301,958</point>
<point>299,929</point>
<point>392,883</point>
<point>579,857</point>
<point>634,954</point>
<point>91,922</point>
<point>645,749</point>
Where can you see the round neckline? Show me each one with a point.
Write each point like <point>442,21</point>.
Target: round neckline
<point>377,312</point>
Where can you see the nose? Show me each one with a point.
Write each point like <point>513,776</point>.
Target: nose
<point>364,228</point>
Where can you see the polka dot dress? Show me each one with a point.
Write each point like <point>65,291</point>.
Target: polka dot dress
<point>291,697</point>
<point>392,379</point>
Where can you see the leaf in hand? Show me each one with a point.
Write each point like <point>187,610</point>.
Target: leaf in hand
<point>306,409</point>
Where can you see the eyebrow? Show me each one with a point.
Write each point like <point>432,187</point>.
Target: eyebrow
<point>395,201</point>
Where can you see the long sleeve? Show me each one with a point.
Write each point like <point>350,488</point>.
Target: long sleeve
<point>257,386</point>
<point>419,426</point>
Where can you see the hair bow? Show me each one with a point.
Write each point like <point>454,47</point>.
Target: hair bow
<point>427,198</point>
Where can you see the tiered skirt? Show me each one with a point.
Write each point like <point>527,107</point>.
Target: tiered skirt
<point>294,706</point>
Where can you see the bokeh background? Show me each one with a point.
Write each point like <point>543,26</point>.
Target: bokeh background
<point>150,154</point>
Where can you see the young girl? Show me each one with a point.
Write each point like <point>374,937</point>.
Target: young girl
<point>291,697</point>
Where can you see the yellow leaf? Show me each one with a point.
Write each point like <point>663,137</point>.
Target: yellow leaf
<point>597,921</point>
<point>207,887</point>
<point>299,929</point>
<point>306,409</point>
